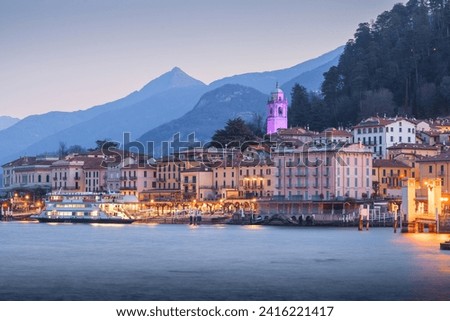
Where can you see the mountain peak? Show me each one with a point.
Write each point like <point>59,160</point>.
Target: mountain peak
<point>175,78</point>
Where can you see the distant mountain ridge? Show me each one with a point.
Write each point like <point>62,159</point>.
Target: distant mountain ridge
<point>167,98</point>
<point>7,121</point>
<point>210,113</point>
<point>265,81</point>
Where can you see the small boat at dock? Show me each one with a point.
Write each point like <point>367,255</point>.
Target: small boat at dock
<point>445,245</point>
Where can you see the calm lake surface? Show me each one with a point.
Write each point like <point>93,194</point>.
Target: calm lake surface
<point>218,262</point>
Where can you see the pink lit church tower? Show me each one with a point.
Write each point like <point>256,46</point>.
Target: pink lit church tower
<point>277,108</point>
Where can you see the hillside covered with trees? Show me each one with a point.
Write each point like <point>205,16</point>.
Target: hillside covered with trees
<point>397,64</point>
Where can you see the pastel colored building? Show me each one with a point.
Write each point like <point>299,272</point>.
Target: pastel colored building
<point>323,173</point>
<point>388,176</point>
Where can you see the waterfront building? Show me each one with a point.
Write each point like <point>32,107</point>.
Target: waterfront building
<point>28,172</point>
<point>197,183</point>
<point>277,108</point>
<point>79,173</point>
<point>435,167</point>
<point>322,172</point>
<point>410,154</point>
<point>379,133</point>
<point>388,176</point>
<point>136,178</point>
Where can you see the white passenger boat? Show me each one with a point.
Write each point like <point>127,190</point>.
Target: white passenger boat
<point>81,208</point>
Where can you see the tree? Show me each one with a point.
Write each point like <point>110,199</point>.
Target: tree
<point>405,51</point>
<point>257,125</point>
<point>76,149</point>
<point>105,144</point>
<point>62,151</point>
<point>299,111</point>
<point>235,133</point>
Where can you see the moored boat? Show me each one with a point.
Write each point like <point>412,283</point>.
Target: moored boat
<point>445,245</point>
<point>79,208</point>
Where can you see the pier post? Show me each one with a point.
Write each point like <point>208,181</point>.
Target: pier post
<point>437,221</point>
<point>395,221</point>
<point>360,225</point>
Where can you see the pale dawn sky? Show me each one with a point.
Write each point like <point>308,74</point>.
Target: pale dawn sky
<point>70,55</point>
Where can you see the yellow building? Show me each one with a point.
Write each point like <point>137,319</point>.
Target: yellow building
<point>435,167</point>
<point>387,175</point>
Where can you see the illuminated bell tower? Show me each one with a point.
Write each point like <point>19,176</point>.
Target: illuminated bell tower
<point>277,108</point>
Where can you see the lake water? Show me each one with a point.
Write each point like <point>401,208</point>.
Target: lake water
<point>218,262</point>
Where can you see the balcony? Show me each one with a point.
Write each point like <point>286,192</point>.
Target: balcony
<point>55,178</point>
<point>207,187</point>
<point>77,178</point>
<point>124,188</point>
<point>132,178</point>
<point>441,173</point>
<point>123,178</point>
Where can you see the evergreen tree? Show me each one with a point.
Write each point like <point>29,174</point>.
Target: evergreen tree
<point>235,133</point>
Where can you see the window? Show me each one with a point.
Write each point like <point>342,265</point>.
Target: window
<point>381,129</point>
<point>392,129</point>
<point>400,130</point>
<point>392,138</point>
<point>430,169</point>
<point>359,130</point>
<point>409,139</point>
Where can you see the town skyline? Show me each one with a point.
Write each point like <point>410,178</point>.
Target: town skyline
<point>69,57</point>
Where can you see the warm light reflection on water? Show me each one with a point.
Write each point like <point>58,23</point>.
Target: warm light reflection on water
<point>252,227</point>
<point>107,225</point>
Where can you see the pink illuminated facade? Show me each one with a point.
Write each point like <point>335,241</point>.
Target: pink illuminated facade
<point>277,108</point>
